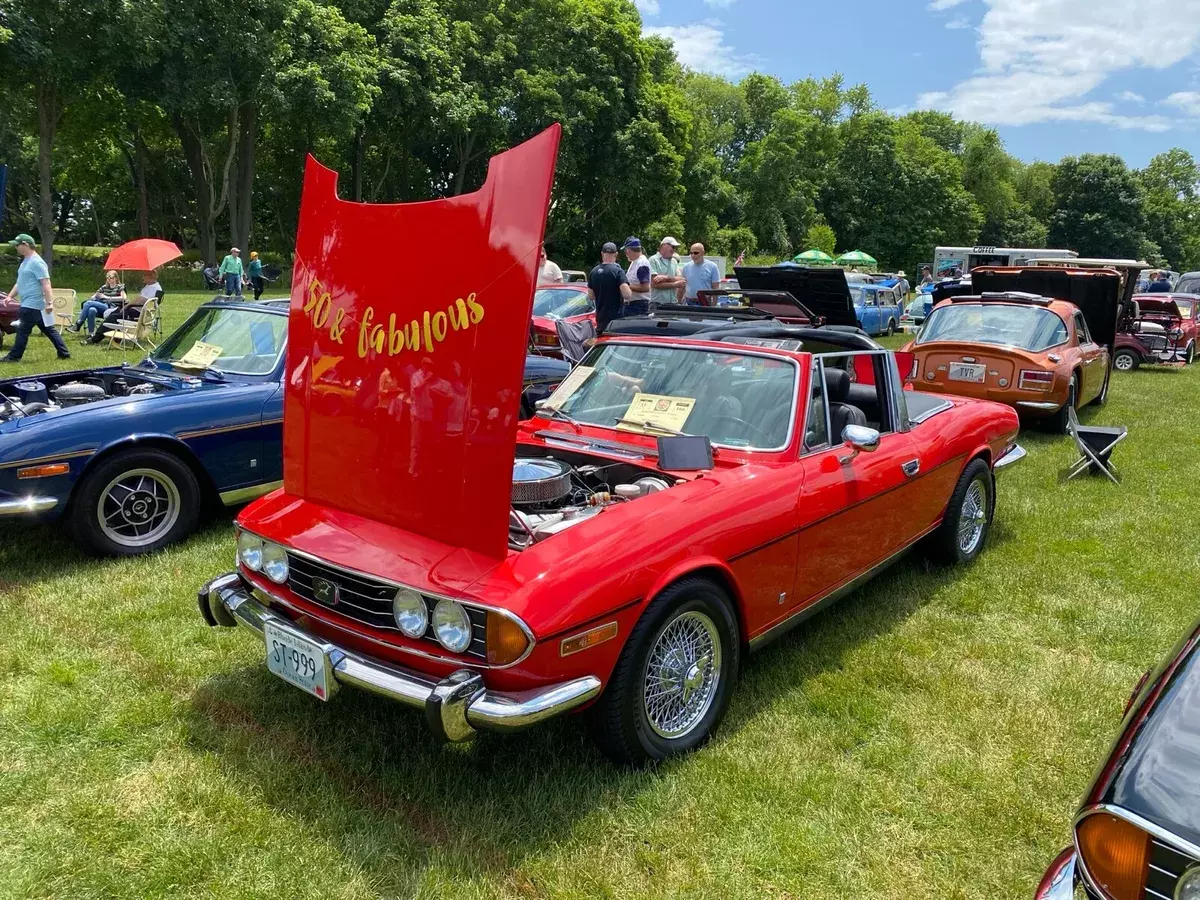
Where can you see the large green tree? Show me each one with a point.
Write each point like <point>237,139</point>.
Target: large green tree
<point>1098,207</point>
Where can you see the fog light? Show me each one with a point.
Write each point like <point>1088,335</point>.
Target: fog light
<point>410,612</point>
<point>1189,885</point>
<point>250,551</point>
<point>451,626</point>
<point>274,562</point>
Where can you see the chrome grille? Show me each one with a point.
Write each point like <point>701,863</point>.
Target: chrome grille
<point>369,601</point>
<point>1166,866</point>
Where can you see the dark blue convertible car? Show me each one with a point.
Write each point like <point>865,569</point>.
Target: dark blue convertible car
<point>128,457</point>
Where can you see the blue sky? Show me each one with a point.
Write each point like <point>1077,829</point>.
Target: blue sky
<point>1055,77</point>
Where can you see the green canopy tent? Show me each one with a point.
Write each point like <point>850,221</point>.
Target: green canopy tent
<point>814,258</point>
<point>857,258</point>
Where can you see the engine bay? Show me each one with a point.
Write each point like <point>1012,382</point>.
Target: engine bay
<point>49,393</point>
<point>554,492</point>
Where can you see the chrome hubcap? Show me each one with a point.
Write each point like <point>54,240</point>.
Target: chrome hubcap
<point>682,674</point>
<point>973,519</point>
<point>138,507</point>
<point>1124,362</point>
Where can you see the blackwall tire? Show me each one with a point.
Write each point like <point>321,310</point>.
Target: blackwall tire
<point>659,701</point>
<point>1058,422</point>
<point>134,502</point>
<point>968,519</point>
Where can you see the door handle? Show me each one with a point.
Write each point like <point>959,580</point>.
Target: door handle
<point>911,468</point>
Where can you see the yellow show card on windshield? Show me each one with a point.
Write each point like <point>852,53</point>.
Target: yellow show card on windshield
<point>201,356</point>
<point>658,410</point>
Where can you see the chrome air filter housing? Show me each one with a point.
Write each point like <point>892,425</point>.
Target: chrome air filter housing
<point>539,480</point>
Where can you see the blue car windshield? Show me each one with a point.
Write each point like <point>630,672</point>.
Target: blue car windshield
<point>232,340</point>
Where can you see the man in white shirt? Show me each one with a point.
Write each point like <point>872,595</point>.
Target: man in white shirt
<point>548,272</point>
<point>638,274</point>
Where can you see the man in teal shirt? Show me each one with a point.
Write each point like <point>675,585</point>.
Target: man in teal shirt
<point>37,300</point>
<point>231,271</point>
<point>667,279</point>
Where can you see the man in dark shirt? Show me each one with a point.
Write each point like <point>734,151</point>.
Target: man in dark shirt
<point>1161,284</point>
<point>608,288</point>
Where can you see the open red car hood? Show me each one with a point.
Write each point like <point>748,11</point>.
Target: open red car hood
<point>404,381</point>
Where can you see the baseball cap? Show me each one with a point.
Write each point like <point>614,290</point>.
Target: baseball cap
<point>669,240</point>
<point>22,239</point>
<point>609,247</point>
<point>631,243</point>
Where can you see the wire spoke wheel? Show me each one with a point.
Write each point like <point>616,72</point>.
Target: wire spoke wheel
<point>683,670</point>
<point>138,507</point>
<point>972,521</point>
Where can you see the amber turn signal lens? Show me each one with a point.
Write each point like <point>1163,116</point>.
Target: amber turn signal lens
<point>44,471</point>
<point>591,638</point>
<point>1116,855</point>
<point>506,640</point>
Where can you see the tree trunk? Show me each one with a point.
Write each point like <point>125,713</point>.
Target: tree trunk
<point>143,197</point>
<point>43,211</point>
<point>66,204</point>
<point>193,152</point>
<point>241,200</point>
<point>356,165</point>
<point>462,150</point>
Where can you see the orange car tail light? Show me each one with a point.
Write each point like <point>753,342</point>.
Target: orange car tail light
<point>1115,854</point>
<point>1035,380</point>
<point>506,640</point>
<point>545,340</point>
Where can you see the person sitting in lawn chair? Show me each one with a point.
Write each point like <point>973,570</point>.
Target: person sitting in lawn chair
<point>131,309</point>
<point>110,294</point>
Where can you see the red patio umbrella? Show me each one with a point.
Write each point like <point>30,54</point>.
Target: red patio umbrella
<point>143,254</point>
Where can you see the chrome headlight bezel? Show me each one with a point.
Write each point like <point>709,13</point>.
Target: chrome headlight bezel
<point>411,613</point>
<point>1188,887</point>
<point>452,626</point>
<point>250,551</point>
<point>275,562</point>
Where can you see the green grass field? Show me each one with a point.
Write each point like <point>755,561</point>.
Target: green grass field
<point>926,738</point>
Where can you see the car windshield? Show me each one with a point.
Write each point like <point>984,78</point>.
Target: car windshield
<point>1188,284</point>
<point>860,294</point>
<point>735,400</point>
<point>1185,308</point>
<point>236,341</point>
<point>557,303</point>
<point>1004,324</point>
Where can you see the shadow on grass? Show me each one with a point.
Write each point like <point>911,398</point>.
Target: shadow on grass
<point>484,806</point>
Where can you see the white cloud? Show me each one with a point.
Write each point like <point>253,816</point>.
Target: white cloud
<point>1187,101</point>
<point>946,4</point>
<point>1130,97</point>
<point>702,46</point>
<point>1040,59</point>
<point>958,23</point>
<point>647,7</point>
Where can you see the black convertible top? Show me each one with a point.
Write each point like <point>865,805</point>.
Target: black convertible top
<point>820,289</point>
<point>766,331</point>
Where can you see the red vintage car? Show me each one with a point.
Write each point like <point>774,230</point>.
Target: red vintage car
<point>683,498</point>
<point>553,303</point>
<point>10,315</point>
<point>1156,329</point>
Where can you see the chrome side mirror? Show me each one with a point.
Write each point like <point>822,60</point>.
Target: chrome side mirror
<point>861,440</point>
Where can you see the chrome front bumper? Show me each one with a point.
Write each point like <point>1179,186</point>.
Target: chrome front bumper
<point>1015,454</point>
<point>1059,881</point>
<point>455,707</point>
<point>1039,405</point>
<point>27,506</point>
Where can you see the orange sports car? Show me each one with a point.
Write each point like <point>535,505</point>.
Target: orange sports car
<point>1038,339</point>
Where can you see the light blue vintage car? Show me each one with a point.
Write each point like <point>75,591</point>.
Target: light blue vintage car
<point>877,306</point>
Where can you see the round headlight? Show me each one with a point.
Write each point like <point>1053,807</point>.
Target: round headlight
<point>451,626</point>
<point>1189,885</point>
<point>410,612</point>
<point>274,562</point>
<point>250,551</point>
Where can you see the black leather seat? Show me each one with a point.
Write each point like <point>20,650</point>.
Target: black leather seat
<point>841,413</point>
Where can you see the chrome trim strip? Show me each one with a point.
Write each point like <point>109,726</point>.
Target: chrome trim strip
<point>1039,404</point>
<point>27,506</point>
<point>45,459</point>
<point>929,413</point>
<point>1157,832</point>
<point>805,612</point>
<point>396,584</point>
<point>242,495</point>
<point>1014,455</point>
<point>594,443</point>
<point>491,710</point>
<point>204,432</point>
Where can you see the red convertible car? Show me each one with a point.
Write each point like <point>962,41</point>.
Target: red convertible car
<point>680,500</point>
<point>553,303</point>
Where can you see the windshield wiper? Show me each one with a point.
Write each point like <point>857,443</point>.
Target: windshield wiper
<point>553,412</point>
<point>647,426</point>
<point>216,373</point>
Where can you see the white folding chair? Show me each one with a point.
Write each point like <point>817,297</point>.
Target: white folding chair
<point>1095,444</point>
<point>62,300</point>
<point>134,331</point>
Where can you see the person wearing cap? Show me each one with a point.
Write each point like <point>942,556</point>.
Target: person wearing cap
<point>254,274</point>
<point>638,274</point>
<point>37,300</point>
<point>699,274</point>
<point>231,271</point>
<point>926,275</point>
<point>667,282</point>
<point>608,288</point>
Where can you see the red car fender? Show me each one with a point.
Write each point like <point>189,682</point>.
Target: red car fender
<point>707,566</point>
